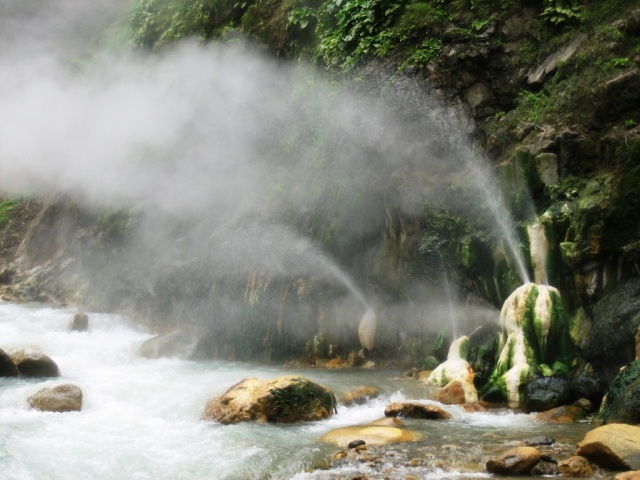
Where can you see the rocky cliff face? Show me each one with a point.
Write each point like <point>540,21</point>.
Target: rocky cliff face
<point>556,109</point>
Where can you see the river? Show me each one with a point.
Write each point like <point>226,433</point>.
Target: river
<point>141,417</point>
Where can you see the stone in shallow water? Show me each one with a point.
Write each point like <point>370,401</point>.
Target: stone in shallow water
<point>566,414</point>
<point>63,398</point>
<point>615,446</point>
<point>7,367</point>
<point>359,396</point>
<point>286,399</point>
<point>416,410</point>
<point>79,322</point>
<point>370,434</point>
<point>576,466</point>
<point>35,364</point>
<point>515,461</point>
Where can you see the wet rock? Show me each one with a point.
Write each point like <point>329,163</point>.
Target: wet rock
<point>585,404</point>
<point>359,396</point>
<point>583,386</point>
<point>457,392</point>
<point>7,367</point>
<point>544,467</point>
<point>615,446</point>
<point>388,422</point>
<point>630,475</point>
<point>370,434</point>
<point>356,443</point>
<point>614,313</point>
<point>515,461</point>
<point>483,348</point>
<point>35,364</point>
<point>62,398</point>
<point>367,329</point>
<point>622,402</point>
<point>416,410</point>
<point>541,440</point>
<point>284,399</point>
<point>455,367</point>
<point>79,322</point>
<point>473,408</point>
<point>545,393</point>
<point>179,343</point>
<point>564,414</point>
<point>576,466</point>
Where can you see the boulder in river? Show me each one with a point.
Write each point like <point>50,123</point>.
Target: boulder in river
<point>370,434</point>
<point>62,398</point>
<point>615,446</point>
<point>285,399</point>
<point>457,392</point>
<point>622,402</point>
<point>545,393</point>
<point>35,364</point>
<point>564,414</point>
<point>79,322</point>
<point>416,410</point>
<point>7,366</point>
<point>359,396</point>
<point>515,461</point>
<point>576,467</point>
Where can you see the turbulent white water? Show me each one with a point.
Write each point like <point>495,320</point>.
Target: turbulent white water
<point>141,418</point>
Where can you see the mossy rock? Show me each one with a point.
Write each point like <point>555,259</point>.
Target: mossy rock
<point>622,402</point>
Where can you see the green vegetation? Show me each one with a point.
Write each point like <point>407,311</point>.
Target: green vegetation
<point>560,11</point>
<point>5,209</point>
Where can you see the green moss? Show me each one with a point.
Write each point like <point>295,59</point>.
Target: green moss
<point>431,363</point>
<point>625,378</point>
<point>5,209</point>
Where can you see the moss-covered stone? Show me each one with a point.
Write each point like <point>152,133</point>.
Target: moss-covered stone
<point>622,401</point>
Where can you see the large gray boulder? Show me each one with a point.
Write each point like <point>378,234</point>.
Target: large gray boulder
<point>62,398</point>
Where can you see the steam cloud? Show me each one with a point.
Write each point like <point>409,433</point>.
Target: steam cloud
<point>213,132</point>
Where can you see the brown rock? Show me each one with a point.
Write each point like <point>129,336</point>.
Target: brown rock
<point>359,396</point>
<point>457,392</point>
<point>514,461</point>
<point>286,399</point>
<point>370,434</point>
<point>336,363</point>
<point>388,422</point>
<point>615,446</point>
<point>35,364</point>
<point>473,408</point>
<point>575,467</point>
<point>630,475</point>
<point>63,398</point>
<point>564,414</point>
<point>79,322</point>
<point>415,410</point>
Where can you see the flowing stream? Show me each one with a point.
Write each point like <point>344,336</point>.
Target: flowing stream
<point>141,417</point>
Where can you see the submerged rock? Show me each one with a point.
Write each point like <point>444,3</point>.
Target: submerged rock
<point>63,398</point>
<point>416,410</point>
<point>359,396</point>
<point>370,434</point>
<point>615,446</point>
<point>35,364</point>
<point>286,399</point>
<point>515,461</point>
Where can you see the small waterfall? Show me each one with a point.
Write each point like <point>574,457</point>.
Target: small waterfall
<point>539,247</point>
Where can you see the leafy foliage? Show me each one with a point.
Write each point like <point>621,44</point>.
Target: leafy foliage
<point>560,11</point>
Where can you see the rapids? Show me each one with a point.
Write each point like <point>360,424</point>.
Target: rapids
<point>141,418</point>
